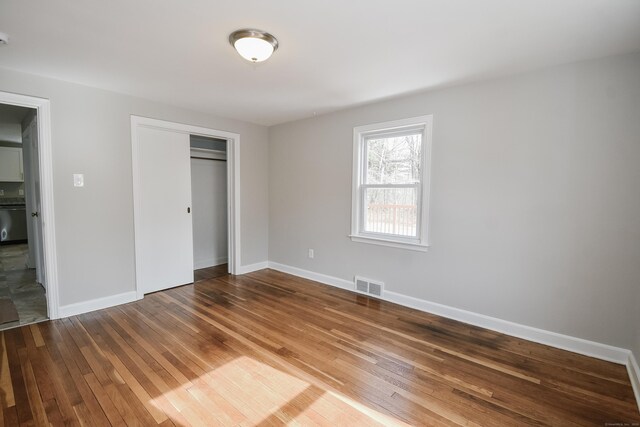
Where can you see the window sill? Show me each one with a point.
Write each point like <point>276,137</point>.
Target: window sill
<point>391,243</point>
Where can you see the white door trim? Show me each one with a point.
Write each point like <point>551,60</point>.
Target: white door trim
<point>233,182</point>
<point>45,162</point>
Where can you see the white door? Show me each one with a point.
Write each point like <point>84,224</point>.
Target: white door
<point>36,215</point>
<point>163,217</point>
<point>32,186</point>
<point>28,200</point>
<point>209,195</point>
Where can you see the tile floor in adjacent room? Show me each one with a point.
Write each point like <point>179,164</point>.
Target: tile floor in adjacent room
<point>18,283</point>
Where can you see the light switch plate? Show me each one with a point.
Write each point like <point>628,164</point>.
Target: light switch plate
<point>21,192</point>
<point>1,192</point>
<point>78,180</point>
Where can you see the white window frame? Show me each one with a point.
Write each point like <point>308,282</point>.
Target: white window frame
<point>360,136</point>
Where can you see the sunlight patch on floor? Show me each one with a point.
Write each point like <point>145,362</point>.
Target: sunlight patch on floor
<point>248,392</point>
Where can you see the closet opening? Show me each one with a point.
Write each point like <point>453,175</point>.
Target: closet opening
<point>209,206</point>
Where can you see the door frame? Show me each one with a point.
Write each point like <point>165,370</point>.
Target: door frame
<point>233,183</point>
<point>45,163</point>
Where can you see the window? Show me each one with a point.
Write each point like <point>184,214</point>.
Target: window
<point>391,168</point>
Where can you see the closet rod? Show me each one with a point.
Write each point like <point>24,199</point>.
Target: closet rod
<point>207,158</point>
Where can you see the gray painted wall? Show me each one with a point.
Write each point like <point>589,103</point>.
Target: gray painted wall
<point>207,143</point>
<point>10,132</point>
<point>635,346</point>
<point>94,224</point>
<point>535,214</point>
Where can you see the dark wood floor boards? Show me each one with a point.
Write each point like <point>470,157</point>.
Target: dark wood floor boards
<point>536,381</point>
<point>387,374</point>
<point>398,392</point>
<point>226,406</point>
<point>138,368</point>
<point>251,347</point>
<point>270,349</point>
<point>618,370</point>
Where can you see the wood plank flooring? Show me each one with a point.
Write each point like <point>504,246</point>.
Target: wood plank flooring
<point>268,349</point>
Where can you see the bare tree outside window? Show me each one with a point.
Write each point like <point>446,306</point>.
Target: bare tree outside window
<point>394,160</point>
<point>393,171</point>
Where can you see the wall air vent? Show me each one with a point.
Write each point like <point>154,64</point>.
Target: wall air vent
<point>369,287</point>
<point>362,285</point>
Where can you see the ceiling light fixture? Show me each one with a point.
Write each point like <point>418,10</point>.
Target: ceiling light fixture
<point>253,45</point>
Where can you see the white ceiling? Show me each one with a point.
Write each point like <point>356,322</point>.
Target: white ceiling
<point>333,54</point>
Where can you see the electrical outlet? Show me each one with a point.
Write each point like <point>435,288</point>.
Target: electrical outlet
<point>1,192</point>
<point>311,254</point>
<point>21,192</point>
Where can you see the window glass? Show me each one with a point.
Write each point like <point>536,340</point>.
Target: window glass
<point>391,211</point>
<point>394,160</point>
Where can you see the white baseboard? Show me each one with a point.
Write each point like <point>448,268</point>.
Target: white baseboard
<point>553,339</point>
<point>209,262</point>
<point>244,269</point>
<point>30,262</point>
<point>564,342</point>
<point>96,304</point>
<point>318,277</point>
<point>634,376</point>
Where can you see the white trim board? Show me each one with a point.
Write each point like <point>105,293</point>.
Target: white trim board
<point>210,262</point>
<point>553,339</point>
<point>127,297</point>
<point>97,304</point>
<point>634,375</point>
<point>244,269</point>
<point>45,161</point>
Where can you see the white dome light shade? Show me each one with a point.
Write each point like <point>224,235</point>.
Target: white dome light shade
<point>254,50</point>
<point>253,45</point>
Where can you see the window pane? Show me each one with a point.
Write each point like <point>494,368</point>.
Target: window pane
<point>391,211</point>
<point>394,160</point>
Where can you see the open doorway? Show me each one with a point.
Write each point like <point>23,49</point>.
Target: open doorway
<point>23,298</point>
<point>209,206</point>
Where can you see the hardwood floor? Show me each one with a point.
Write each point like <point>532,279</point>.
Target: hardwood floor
<point>211,272</point>
<point>271,349</point>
